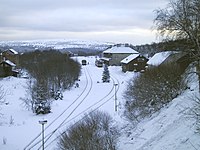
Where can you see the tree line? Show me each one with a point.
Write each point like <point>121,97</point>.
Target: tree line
<point>51,72</point>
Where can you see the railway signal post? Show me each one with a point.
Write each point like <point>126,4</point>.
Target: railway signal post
<point>115,96</point>
<point>43,123</point>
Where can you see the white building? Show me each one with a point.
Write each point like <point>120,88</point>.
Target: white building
<point>115,54</point>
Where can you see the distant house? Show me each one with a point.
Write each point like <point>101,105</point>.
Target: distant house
<point>179,58</point>
<point>9,60</point>
<point>134,62</point>
<point>159,58</point>
<point>11,55</point>
<point>115,54</point>
<point>7,68</point>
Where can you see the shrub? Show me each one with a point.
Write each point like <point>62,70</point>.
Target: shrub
<point>150,91</point>
<point>94,132</point>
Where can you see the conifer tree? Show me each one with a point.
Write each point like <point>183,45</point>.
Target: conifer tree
<point>106,74</point>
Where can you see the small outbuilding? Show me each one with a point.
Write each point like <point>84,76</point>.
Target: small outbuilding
<point>84,62</point>
<point>99,63</point>
<point>6,68</point>
<point>134,62</point>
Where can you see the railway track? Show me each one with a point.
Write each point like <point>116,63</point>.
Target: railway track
<point>110,95</point>
<point>35,143</point>
<point>78,100</point>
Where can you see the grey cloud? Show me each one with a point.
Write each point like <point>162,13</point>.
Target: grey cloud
<point>77,15</point>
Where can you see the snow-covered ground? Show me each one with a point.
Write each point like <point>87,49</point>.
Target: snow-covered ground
<point>170,129</point>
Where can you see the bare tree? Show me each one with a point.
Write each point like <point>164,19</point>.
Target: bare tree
<point>94,132</point>
<point>181,20</point>
<point>2,94</point>
<point>149,92</point>
<point>195,112</point>
<point>28,100</point>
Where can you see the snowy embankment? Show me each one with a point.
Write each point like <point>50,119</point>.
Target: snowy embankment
<point>170,129</point>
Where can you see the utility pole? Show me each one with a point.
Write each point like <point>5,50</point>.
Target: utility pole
<point>115,96</point>
<point>43,123</point>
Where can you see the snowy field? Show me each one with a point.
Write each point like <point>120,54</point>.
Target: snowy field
<point>169,129</point>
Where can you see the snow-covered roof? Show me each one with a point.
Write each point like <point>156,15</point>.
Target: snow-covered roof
<point>121,50</point>
<point>10,63</point>
<point>104,58</point>
<point>158,58</point>
<point>129,58</point>
<point>13,51</point>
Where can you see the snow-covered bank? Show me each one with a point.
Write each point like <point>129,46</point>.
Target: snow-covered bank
<point>170,129</point>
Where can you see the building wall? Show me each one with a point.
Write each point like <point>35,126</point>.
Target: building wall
<point>1,58</point>
<point>5,70</point>
<point>135,65</point>
<point>115,58</point>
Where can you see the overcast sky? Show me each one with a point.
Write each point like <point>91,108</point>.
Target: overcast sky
<point>100,20</point>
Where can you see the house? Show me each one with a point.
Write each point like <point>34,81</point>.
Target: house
<point>7,68</point>
<point>11,55</point>
<point>134,62</point>
<point>9,60</point>
<point>115,54</point>
<point>159,58</point>
<point>179,58</point>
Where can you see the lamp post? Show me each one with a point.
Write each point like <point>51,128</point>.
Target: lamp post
<point>115,96</point>
<point>43,123</point>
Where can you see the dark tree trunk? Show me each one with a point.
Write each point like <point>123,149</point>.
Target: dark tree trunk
<point>198,72</point>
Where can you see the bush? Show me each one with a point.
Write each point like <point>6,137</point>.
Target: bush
<point>94,132</point>
<point>150,91</point>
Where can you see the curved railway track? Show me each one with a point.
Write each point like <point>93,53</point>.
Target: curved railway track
<point>83,94</point>
<point>87,89</point>
<point>91,108</point>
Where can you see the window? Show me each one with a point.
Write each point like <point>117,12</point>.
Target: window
<point>140,59</point>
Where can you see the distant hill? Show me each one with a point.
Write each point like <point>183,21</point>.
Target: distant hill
<point>84,47</point>
<point>58,44</point>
